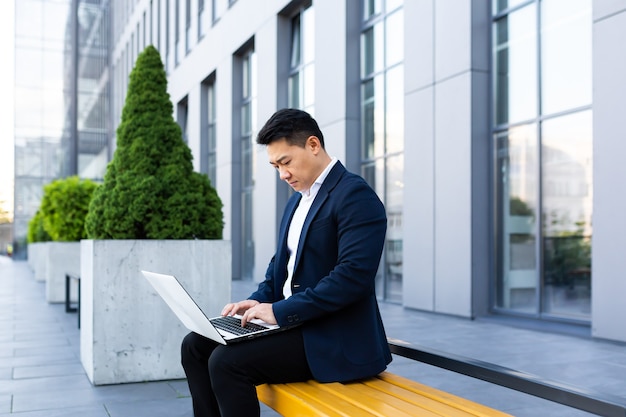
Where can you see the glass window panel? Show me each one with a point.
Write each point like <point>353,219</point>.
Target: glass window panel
<point>219,8</point>
<point>391,5</point>
<point>515,58</point>
<point>54,63</point>
<point>501,5</point>
<point>246,77</point>
<point>516,214</point>
<point>28,107</point>
<point>296,43</point>
<point>29,68</point>
<point>395,38</point>
<point>308,85</point>
<point>373,118</point>
<point>246,163</point>
<point>371,8</point>
<point>28,18</point>
<point>567,178</point>
<point>372,48</point>
<point>374,174</point>
<point>395,109</point>
<point>393,244</point>
<point>246,126</point>
<point>247,235</point>
<point>294,91</point>
<point>55,20</point>
<point>308,35</point>
<point>565,54</point>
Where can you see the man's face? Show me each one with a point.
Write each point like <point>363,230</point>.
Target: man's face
<point>298,166</point>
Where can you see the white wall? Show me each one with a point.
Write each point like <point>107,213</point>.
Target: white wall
<point>437,204</point>
<point>609,170</point>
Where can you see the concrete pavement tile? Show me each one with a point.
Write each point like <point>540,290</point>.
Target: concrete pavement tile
<point>48,370</point>
<point>89,411</point>
<point>6,373</point>
<point>155,408</point>
<point>48,384</point>
<point>38,350</point>
<point>181,387</point>
<point>5,403</point>
<point>70,397</point>
<point>67,357</point>
<point>52,400</point>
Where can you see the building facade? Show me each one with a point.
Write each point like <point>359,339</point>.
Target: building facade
<point>62,122</point>
<point>490,129</point>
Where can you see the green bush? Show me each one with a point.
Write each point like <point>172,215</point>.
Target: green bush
<point>150,190</point>
<point>36,232</point>
<point>64,206</point>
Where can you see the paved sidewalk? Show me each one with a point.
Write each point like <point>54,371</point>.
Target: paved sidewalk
<point>41,374</point>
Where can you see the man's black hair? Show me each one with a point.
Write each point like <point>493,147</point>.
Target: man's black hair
<point>291,124</point>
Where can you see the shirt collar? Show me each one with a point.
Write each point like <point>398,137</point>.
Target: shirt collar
<point>312,192</point>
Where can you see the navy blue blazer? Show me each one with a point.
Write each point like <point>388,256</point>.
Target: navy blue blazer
<point>333,293</point>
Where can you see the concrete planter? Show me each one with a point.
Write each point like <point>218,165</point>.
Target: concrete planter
<point>61,258</point>
<point>37,259</point>
<point>128,334</point>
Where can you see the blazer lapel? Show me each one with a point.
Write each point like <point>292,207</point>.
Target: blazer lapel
<point>329,183</point>
<point>282,252</point>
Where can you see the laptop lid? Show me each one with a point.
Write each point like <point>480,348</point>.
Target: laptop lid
<point>190,314</point>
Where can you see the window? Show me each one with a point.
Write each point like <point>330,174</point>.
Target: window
<point>181,118</point>
<point>302,69</point>
<point>208,144</point>
<point>382,130</point>
<point>177,45</point>
<point>543,157</point>
<point>219,8</point>
<point>201,18</point>
<point>167,35</point>
<point>244,97</point>
<point>187,26</point>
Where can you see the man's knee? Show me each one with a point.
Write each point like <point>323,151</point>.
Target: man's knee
<point>193,348</point>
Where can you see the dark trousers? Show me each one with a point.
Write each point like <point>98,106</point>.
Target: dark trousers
<point>222,379</point>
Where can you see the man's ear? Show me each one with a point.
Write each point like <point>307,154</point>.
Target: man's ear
<point>313,143</point>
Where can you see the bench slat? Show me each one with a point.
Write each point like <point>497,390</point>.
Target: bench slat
<point>381,396</point>
<point>375,402</point>
<point>442,396</point>
<point>439,406</point>
<point>300,399</point>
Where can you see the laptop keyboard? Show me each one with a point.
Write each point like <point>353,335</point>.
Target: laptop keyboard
<point>233,325</point>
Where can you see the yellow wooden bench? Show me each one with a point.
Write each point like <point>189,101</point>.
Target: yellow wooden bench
<point>385,395</point>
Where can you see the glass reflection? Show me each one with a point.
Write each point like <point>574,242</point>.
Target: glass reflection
<point>566,216</point>
<point>515,60</point>
<point>393,244</point>
<point>501,5</point>
<point>394,41</point>
<point>516,214</point>
<point>395,110</point>
<point>372,51</point>
<point>373,118</point>
<point>565,54</point>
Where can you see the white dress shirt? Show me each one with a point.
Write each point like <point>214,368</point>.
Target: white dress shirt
<point>297,221</point>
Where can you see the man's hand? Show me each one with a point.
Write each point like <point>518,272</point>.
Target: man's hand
<point>261,311</point>
<point>238,308</point>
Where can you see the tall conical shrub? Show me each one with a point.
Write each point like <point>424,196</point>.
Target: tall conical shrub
<point>150,190</point>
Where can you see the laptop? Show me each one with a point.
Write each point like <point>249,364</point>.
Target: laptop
<point>224,330</point>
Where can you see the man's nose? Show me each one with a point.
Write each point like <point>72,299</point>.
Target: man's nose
<point>283,173</point>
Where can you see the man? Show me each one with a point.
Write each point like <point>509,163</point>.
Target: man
<point>320,280</point>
